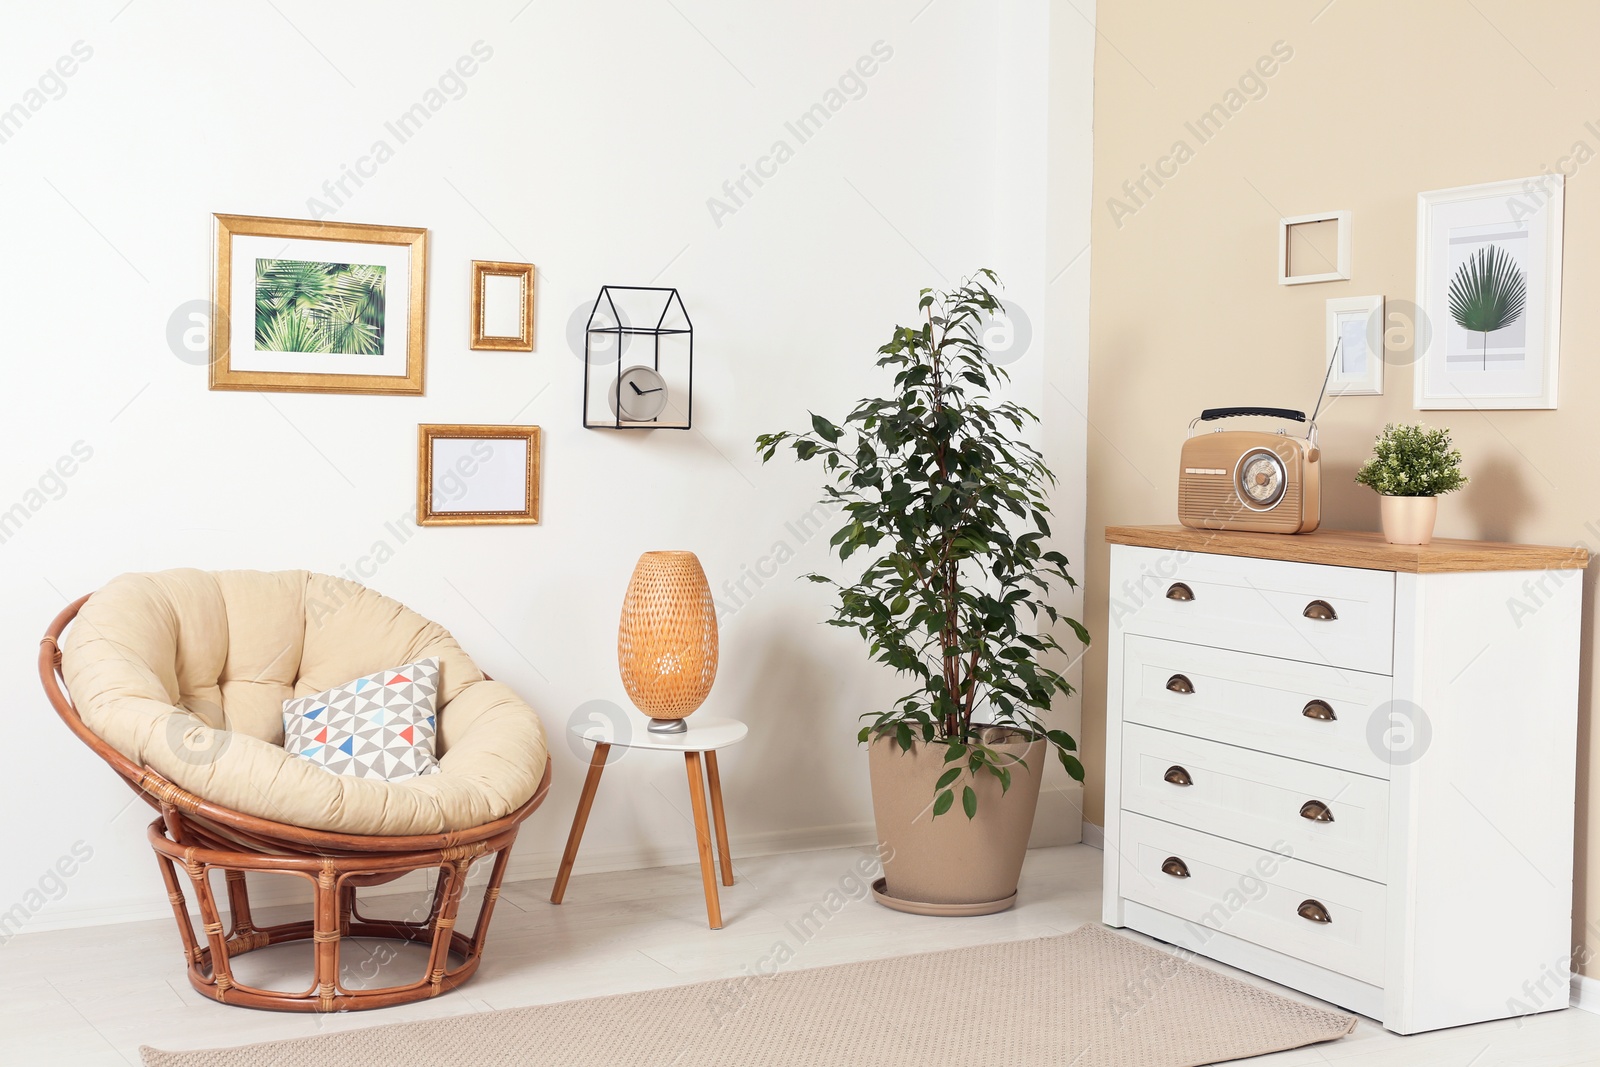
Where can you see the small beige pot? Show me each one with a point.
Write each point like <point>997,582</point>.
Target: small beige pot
<point>1408,520</point>
<point>952,865</point>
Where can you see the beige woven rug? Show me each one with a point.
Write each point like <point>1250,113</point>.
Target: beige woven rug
<point>1092,998</point>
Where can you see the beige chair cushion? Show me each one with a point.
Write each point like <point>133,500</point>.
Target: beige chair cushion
<point>186,672</point>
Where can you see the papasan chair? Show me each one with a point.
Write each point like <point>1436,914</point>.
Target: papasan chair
<point>178,678</point>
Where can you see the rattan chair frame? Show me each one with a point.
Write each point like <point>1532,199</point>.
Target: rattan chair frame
<point>199,837</point>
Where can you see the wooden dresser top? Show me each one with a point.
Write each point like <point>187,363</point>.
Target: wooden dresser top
<point>1356,548</point>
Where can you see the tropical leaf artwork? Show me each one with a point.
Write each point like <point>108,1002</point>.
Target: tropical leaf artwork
<point>305,306</point>
<point>1488,293</point>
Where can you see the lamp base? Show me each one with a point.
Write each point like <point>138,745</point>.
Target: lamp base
<point>668,726</point>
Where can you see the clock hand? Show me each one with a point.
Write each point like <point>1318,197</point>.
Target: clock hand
<point>642,392</point>
<point>635,388</point>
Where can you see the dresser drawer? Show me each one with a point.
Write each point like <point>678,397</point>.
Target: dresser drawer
<point>1259,895</point>
<point>1337,616</point>
<point>1333,818</point>
<point>1300,710</point>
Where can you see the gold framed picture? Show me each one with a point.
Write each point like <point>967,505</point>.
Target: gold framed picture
<point>318,307</point>
<point>502,306</point>
<point>477,475</point>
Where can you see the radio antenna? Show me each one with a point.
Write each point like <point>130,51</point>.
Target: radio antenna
<point>1325,378</point>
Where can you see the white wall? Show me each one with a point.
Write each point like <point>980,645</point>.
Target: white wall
<point>589,143</point>
<point>1064,367</point>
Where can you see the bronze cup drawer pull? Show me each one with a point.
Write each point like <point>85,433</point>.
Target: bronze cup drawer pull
<point>1179,683</point>
<point>1320,710</point>
<point>1316,811</point>
<point>1320,610</point>
<point>1177,776</point>
<point>1179,591</point>
<point>1174,866</point>
<point>1313,911</point>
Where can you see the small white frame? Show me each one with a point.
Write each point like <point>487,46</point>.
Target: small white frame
<point>1343,378</point>
<point>1342,270</point>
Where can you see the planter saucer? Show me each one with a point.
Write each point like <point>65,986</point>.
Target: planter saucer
<point>880,893</point>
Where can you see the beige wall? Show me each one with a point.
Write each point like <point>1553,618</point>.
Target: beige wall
<point>1376,103</point>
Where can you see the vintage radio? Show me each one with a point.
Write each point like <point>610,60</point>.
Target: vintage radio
<point>1250,479</point>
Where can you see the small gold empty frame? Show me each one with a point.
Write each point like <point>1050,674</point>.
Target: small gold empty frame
<point>492,308</point>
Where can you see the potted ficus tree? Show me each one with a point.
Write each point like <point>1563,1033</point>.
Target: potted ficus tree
<point>1410,468</point>
<point>946,502</point>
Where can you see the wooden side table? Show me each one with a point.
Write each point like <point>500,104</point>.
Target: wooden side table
<point>703,738</point>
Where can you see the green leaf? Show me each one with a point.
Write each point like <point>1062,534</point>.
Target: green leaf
<point>942,802</point>
<point>903,735</point>
<point>1062,739</point>
<point>825,429</point>
<point>1488,292</point>
<point>969,802</point>
<point>947,777</point>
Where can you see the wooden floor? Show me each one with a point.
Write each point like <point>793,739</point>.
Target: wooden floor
<point>92,997</point>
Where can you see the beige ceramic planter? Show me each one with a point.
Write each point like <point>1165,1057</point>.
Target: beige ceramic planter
<point>1408,520</point>
<point>951,865</point>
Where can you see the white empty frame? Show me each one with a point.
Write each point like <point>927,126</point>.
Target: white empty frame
<point>502,306</point>
<point>1340,268</point>
<point>1354,346</point>
<point>477,475</point>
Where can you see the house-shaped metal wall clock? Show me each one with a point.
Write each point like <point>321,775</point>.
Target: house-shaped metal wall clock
<point>638,360</point>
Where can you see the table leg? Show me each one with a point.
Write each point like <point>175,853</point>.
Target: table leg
<point>585,801</point>
<point>702,837</point>
<point>718,820</point>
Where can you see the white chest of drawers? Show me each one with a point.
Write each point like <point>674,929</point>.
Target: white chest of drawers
<point>1348,766</point>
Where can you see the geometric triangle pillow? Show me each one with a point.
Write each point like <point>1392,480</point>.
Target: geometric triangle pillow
<point>378,726</point>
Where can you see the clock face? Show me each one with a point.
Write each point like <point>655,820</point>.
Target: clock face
<point>1261,478</point>
<point>642,392</point>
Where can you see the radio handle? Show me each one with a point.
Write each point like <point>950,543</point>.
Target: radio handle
<point>1212,414</point>
<point>1272,413</point>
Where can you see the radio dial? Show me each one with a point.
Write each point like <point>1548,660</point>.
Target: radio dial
<point>1262,478</point>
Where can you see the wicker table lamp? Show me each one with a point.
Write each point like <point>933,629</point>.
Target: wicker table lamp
<point>667,640</point>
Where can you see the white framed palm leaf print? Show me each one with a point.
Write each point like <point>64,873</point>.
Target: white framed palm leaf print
<point>1489,287</point>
